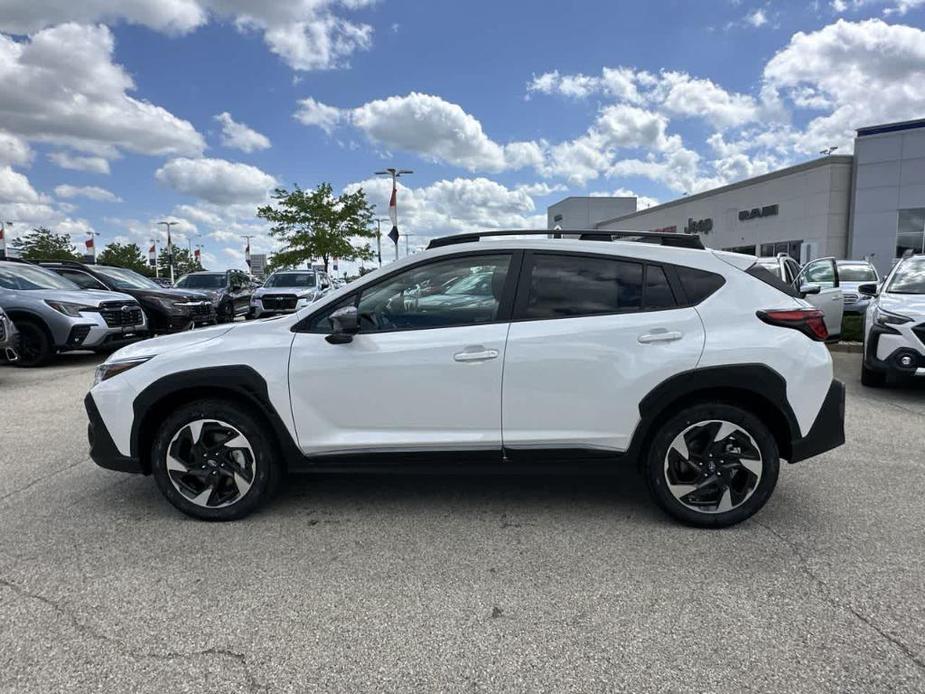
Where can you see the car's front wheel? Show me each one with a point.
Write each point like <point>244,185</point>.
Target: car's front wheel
<point>214,460</point>
<point>35,347</point>
<point>712,465</point>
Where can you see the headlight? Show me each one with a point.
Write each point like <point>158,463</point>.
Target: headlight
<point>885,318</point>
<point>69,309</point>
<point>108,369</point>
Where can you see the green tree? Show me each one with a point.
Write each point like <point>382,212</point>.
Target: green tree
<point>43,244</point>
<point>127,255</point>
<point>317,224</point>
<point>183,262</point>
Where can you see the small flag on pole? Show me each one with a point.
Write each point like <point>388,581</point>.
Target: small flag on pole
<point>393,213</point>
<point>89,244</point>
<point>196,256</point>
<point>247,253</point>
<point>152,254</point>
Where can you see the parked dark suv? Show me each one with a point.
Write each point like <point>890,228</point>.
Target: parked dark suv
<point>168,310</point>
<point>230,291</point>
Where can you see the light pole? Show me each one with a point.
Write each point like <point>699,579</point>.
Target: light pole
<point>169,247</point>
<point>393,201</point>
<point>379,221</point>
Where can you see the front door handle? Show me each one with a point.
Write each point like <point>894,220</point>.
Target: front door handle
<point>477,354</point>
<point>660,336</point>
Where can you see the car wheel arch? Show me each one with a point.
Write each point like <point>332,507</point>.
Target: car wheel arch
<point>724,384</point>
<point>239,385</point>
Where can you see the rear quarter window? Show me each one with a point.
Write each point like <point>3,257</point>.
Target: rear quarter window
<point>698,285</point>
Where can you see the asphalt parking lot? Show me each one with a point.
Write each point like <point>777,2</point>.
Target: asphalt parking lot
<point>458,584</point>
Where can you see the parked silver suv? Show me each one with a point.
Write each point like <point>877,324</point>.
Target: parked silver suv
<point>9,338</point>
<point>52,314</point>
<point>286,291</point>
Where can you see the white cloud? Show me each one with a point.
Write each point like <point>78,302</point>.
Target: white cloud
<point>620,83</point>
<point>51,95</point>
<point>306,34</point>
<point>239,136</point>
<point>865,72</point>
<point>16,188</point>
<point>216,180</point>
<point>21,202</point>
<point>79,163</point>
<point>311,112</point>
<point>455,205</point>
<point>895,7</point>
<point>91,192</point>
<point>438,130</point>
<point>756,18</point>
<point>14,150</point>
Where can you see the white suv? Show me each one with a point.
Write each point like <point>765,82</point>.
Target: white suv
<point>510,353</point>
<point>894,329</point>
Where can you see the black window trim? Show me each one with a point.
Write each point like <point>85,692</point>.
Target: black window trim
<point>523,288</point>
<point>505,309</point>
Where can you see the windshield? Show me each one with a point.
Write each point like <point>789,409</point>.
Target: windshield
<point>291,279</point>
<point>859,272</point>
<point>32,277</point>
<point>909,277</point>
<point>216,281</point>
<point>122,278</point>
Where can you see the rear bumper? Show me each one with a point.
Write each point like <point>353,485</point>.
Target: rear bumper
<point>103,450</point>
<point>828,431</point>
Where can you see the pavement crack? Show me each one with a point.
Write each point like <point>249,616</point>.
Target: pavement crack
<point>39,480</point>
<point>86,630</point>
<point>830,597</point>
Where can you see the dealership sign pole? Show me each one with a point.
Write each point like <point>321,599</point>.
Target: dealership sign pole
<point>393,201</point>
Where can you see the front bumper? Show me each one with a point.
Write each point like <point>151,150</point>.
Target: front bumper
<point>828,431</point>
<point>904,359</point>
<point>103,450</point>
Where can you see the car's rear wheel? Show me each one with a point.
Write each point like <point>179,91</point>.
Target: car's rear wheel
<point>35,348</point>
<point>214,460</point>
<point>712,465</point>
<point>871,378</point>
<point>226,312</point>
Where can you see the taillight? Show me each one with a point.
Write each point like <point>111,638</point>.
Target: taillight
<point>809,321</point>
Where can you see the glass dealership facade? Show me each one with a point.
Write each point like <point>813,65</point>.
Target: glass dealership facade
<point>869,205</point>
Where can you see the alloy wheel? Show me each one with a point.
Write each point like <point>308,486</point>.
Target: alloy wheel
<point>713,466</point>
<point>211,463</point>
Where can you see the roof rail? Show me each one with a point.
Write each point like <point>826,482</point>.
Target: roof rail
<point>65,263</point>
<point>16,259</point>
<point>657,237</point>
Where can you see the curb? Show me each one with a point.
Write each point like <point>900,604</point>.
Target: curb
<point>849,347</point>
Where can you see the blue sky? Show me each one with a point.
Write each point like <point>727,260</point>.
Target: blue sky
<point>111,117</point>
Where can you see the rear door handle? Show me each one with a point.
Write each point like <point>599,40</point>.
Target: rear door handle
<point>660,336</point>
<point>476,355</point>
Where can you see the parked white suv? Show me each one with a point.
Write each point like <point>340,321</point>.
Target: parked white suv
<point>894,329</point>
<point>560,352</point>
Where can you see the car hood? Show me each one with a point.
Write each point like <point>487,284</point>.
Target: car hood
<point>77,296</point>
<point>911,305</point>
<point>157,345</point>
<point>173,294</point>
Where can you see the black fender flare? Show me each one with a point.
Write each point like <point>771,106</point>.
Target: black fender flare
<point>755,386</point>
<point>236,382</point>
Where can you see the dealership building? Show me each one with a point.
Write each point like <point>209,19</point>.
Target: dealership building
<point>868,205</point>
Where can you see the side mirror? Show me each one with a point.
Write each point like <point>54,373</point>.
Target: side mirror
<point>868,289</point>
<point>806,289</point>
<point>345,324</point>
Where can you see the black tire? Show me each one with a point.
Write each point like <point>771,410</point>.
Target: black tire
<point>762,485</point>
<point>35,348</point>
<point>871,378</point>
<point>226,312</point>
<point>266,468</point>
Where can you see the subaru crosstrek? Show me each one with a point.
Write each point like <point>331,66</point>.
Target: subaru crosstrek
<point>575,352</point>
<point>894,329</point>
<point>52,314</point>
